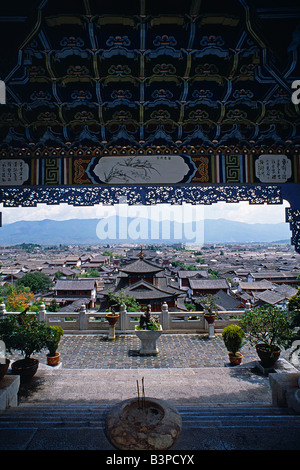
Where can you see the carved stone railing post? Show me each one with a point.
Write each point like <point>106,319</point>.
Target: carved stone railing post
<point>123,318</point>
<point>82,318</point>
<point>165,319</point>
<point>2,310</point>
<point>42,312</point>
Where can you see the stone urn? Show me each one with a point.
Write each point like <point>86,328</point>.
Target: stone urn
<point>210,318</point>
<point>148,339</point>
<point>112,319</point>
<point>143,424</point>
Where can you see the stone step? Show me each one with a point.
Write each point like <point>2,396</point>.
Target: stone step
<point>193,412</point>
<point>81,426</point>
<point>221,408</point>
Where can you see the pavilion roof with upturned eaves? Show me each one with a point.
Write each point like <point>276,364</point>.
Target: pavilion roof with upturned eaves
<point>143,290</point>
<point>141,266</point>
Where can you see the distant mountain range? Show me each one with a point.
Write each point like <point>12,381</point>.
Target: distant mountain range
<point>114,230</point>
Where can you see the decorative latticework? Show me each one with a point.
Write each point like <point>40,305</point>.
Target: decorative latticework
<point>89,196</point>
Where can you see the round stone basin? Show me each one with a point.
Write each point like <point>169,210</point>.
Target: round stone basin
<point>147,415</point>
<point>143,425</point>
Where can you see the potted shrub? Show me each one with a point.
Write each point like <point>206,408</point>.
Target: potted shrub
<point>28,336</point>
<point>52,339</point>
<point>148,331</point>
<point>112,317</point>
<point>233,336</point>
<point>210,308</point>
<point>7,326</point>
<point>267,328</point>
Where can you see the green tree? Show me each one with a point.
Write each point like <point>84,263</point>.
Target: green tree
<point>191,307</point>
<point>19,299</point>
<point>53,306</point>
<point>213,274</point>
<point>268,325</point>
<point>36,306</point>
<point>92,272</point>
<point>36,281</point>
<point>28,335</point>
<point>108,253</point>
<point>121,298</point>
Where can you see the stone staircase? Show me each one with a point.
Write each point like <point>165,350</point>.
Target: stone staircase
<point>205,426</point>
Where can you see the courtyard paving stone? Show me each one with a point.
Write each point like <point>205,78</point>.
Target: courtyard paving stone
<point>175,351</point>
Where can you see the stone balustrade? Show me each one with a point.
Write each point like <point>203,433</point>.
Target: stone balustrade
<point>88,322</point>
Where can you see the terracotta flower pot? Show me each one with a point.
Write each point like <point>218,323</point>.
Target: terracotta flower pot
<point>235,359</point>
<point>25,367</point>
<point>4,368</point>
<point>112,319</point>
<point>267,356</point>
<point>53,360</point>
<point>210,317</point>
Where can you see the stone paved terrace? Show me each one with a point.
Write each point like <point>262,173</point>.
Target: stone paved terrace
<point>222,408</point>
<point>175,351</point>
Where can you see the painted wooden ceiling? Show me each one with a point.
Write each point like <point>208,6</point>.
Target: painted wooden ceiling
<point>180,74</point>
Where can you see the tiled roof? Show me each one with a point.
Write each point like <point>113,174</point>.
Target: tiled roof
<point>184,274</point>
<point>78,284</point>
<point>74,306</point>
<point>259,285</point>
<point>270,297</point>
<point>208,284</point>
<point>225,301</point>
<point>274,275</point>
<point>285,290</point>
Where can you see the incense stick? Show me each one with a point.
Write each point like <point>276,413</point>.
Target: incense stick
<point>143,390</point>
<point>138,391</point>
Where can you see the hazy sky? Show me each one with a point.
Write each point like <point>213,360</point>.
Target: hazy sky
<point>243,212</point>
